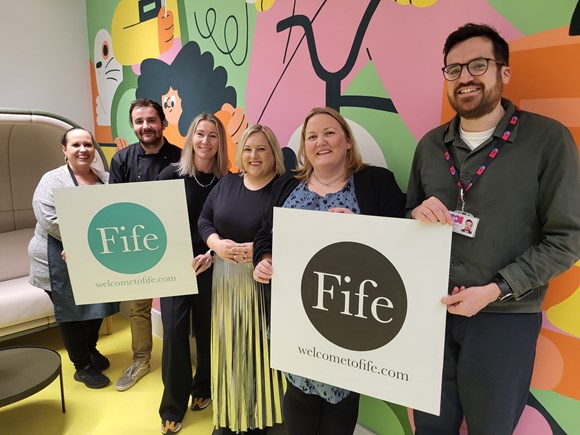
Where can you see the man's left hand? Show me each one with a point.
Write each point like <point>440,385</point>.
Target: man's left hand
<point>470,301</point>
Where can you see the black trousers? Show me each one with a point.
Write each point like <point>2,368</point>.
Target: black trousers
<point>79,339</point>
<point>487,371</point>
<point>310,414</point>
<point>176,371</point>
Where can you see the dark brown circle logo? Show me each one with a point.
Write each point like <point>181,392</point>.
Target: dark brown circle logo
<point>354,296</point>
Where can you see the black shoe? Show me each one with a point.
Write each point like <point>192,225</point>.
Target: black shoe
<point>91,377</point>
<point>99,361</point>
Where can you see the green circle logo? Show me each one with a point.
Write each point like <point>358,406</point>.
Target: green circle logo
<point>127,238</point>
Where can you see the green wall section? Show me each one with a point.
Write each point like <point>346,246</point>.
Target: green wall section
<point>99,13</point>
<point>221,28</point>
<point>383,418</point>
<point>565,411</point>
<point>535,16</point>
<point>393,136</point>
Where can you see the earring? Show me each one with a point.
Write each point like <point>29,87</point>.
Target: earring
<point>95,159</point>
<point>65,159</point>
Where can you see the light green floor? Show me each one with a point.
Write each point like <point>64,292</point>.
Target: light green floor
<point>104,411</point>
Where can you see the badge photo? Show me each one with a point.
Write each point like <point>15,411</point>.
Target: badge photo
<point>464,224</point>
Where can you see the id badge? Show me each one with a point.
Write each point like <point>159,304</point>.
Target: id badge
<point>464,224</point>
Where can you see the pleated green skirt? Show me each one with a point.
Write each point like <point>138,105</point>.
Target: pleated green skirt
<point>246,392</point>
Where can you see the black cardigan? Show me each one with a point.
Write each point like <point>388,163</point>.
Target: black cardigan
<point>376,191</point>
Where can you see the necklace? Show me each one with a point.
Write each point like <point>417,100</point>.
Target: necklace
<point>330,183</point>
<point>203,185</point>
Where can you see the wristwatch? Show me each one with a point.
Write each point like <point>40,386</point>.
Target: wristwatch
<point>506,291</point>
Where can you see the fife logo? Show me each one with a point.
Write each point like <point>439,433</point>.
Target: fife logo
<point>127,238</point>
<point>354,296</point>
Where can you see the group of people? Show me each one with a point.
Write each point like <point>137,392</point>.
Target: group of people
<point>498,274</point>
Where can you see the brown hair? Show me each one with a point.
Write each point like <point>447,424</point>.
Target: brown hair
<point>146,102</point>
<point>354,161</point>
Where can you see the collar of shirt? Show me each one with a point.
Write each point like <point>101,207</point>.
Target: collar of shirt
<point>452,136</point>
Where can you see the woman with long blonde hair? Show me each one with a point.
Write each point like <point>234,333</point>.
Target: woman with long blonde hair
<point>204,161</point>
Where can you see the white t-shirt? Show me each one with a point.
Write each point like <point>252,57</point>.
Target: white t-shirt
<point>473,139</point>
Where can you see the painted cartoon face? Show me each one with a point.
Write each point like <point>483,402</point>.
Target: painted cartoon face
<point>108,73</point>
<point>147,126</point>
<point>326,144</point>
<point>473,97</point>
<point>257,156</point>
<point>171,102</point>
<point>205,141</point>
<point>79,150</point>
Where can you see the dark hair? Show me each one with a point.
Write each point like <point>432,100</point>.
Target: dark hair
<point>201,86</point>
<point>501,48</point>
<point>146,102</point>
<point>64,138</point>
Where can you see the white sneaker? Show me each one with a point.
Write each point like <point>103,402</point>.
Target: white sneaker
<point>132,374</point>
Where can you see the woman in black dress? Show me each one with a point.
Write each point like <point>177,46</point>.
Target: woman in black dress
<point>204,161</point>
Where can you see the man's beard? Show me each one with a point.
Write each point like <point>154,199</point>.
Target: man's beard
<point>487,104</point>
<point>151,140</point>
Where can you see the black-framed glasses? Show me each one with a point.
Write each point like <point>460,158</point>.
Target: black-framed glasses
<point>476,67</point>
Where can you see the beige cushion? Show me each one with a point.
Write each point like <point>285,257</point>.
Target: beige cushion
<point>21,302</point>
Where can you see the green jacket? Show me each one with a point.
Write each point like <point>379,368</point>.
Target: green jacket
<point>528,203</point>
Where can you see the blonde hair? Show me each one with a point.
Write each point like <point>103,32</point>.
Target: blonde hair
<point>272,141</point>
<point>354,161</point>
<point>221,164</point>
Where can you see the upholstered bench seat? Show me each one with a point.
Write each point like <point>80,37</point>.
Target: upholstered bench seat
<point>22,306</point>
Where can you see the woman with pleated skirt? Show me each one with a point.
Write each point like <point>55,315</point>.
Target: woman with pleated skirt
<point>247,394</point>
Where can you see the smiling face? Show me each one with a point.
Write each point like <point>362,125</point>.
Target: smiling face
<point>79,150</point>
<point>171,103</point>
<point>147,126</point>
<point>325,144</point>
<point>205,143</point>
<point>258,160</point>
<point>473,97</point>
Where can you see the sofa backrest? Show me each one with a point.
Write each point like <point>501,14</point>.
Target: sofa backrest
<point>29,147</point>
<point>14,261</point>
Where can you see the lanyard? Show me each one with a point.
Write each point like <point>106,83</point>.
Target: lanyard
<point>498,145</point>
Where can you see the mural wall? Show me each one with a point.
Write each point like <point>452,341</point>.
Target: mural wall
<point>378,63</point>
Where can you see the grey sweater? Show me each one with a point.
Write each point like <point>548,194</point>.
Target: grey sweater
<point>47,222</point>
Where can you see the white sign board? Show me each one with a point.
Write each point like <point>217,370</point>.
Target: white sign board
<point>356,303</point>
<point>126,241</point>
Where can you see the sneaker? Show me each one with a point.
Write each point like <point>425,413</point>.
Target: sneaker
<point>99,361</point>
<point>91,377</point>
<point>132,374</point>
<point>199,403</point>
<point>170,427</point>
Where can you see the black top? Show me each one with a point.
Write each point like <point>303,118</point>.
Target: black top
<point>233,211</point>
<point>131,164</point>
<point>196,196</point>
<point>376,191</point>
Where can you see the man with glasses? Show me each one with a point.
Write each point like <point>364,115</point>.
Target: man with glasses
<point>517,175</point>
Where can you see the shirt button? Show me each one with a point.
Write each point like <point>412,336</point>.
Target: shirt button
<point>455,262</point>
<point>465,177</point>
